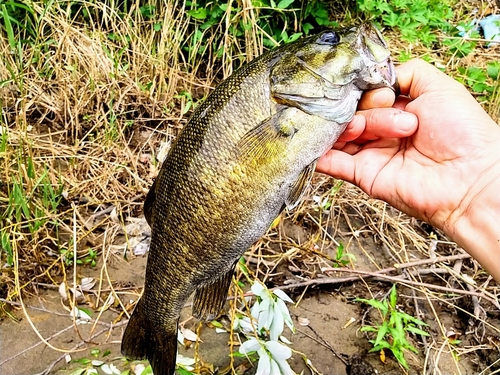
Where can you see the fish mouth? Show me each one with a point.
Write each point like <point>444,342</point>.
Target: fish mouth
<point>387,72</point>
<point>380,71</point>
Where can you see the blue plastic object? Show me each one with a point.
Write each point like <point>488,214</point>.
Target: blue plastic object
<point>491,29</point>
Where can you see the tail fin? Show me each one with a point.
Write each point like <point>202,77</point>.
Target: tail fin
<point>157,344</point>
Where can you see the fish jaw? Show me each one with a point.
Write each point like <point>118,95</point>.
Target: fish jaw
<point>328,80</point>
<point>379,69</point>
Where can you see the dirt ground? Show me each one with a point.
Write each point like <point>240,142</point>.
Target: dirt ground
<point>328,309</point>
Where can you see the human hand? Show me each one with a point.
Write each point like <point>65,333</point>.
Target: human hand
<point>445,170</point>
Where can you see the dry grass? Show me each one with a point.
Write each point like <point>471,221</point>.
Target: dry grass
<point>84,110</point>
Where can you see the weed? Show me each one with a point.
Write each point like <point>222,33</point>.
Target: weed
<point>459,43</point>
<point>187,102</point>
<point>219,30</point>
<point>29,206</point>
<point>342,258</point>
<point>482,81</point>
<point>88,259</point>
<point>417,20</point>
<point>393,330</point>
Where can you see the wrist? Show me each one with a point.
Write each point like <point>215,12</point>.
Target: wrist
<point>475,224</point>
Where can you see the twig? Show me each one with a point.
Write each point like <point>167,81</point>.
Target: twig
<point>378,276</point>
<point>51,366</point>
<point>51,286</point>
<point>327,345</point>
<point>14,303</point>
<point>419,316</point>
<point>35,345</point>
<point>399,266</point>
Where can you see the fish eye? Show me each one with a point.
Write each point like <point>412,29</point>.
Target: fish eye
<point>330,37</point>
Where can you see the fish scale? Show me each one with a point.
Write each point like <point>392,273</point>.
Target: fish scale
<point>247,152</point>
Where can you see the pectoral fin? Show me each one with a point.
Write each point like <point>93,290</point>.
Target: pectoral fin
<point>268,138</point>
<point>209,299</point>
<point>300,186</point>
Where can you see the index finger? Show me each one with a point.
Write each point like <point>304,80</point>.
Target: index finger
<point>417,76</point>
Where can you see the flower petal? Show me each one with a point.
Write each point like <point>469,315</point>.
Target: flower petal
<point>251,345</point>
<point>257,288</point>
<point>285,368</point>
<point>264,366</point>
<point>275,369</point>
<point>277,350</point>
<point>282,295</point>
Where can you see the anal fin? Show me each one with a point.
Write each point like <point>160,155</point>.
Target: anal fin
<point>210,298</point>
<point>300,186</point>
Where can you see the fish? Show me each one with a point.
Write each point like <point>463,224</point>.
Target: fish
<point>248,152</point>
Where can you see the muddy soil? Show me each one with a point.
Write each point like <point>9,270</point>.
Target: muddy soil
<point>332,331</point>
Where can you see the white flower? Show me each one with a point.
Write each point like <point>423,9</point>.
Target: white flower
<point>277,350</point>
<point>251,345</point>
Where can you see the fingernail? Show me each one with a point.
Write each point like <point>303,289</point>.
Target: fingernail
<point>405,121</point>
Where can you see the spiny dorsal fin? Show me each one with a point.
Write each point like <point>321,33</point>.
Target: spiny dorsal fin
<point>300,186</point>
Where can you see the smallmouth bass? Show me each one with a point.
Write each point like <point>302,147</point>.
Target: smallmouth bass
<point>247,152</point>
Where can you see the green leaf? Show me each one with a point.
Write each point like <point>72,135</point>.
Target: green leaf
<point>400,357</point>
<point>181,371</point>
<point>409,318</point>
<point>416,331</point>
<point>493,70</point>
<point>374,303</point>
<point>294,37</point>
<point>382,345</point>
<point>8,27</point>
<point>199,14</point>
<point>215,323</point>
<point>381,333</point>
<point>480,87</point>
<point>393,297</point>
<point>239,355</point>
<point>283,4</point>
<point>83,361</point>
<point>86,311</point>
<point>307,27</point>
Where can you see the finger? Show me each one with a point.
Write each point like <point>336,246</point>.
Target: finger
<point>377,98</point>
<point>337,164</point>
<point>354,129</point>
<point>417,76</point>
<point>368,160</point>
<point>387,123</point>
<point>401,102</point>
